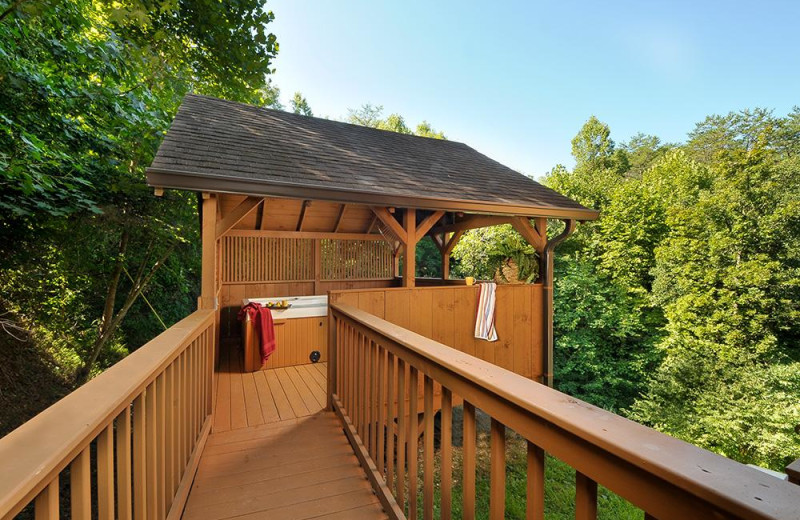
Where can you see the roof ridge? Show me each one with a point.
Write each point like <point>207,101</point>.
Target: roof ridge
<point>280,113</point>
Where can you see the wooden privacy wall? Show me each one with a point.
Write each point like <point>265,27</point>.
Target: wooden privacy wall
<point>356,259</point>
<point>255,259</point>
<point>447,315</point>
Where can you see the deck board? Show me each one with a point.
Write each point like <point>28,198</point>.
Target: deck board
<point>275,453</point>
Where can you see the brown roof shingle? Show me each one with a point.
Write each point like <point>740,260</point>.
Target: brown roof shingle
<point>226,146</point>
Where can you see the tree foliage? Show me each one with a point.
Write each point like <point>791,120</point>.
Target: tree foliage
<point>372,116</point>
<point>87,90</point>
<point>692,278</point>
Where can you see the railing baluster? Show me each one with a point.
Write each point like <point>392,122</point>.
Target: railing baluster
<point>469,461</point>
<point>497,477</point>
<point>427,493</point>
<point>180,415</point>
<point>381,404</point>
<point>123,440</point>
<point>161,433</point>
<point>369,397</point>
<point>105,473</point>
<point>46,505</point>
<point>585,497</point>
<point>362,385</point>
<point>151,448</point>
<point>374,421</point>
<point>169,455</point>
<point>413,440</point>
<point>535,483</point>
<point>353,364</point>
<point>447,454</point>
<point>139,484</point>
<point>80,472</point>
<point>390,415</point>
<point>401,433</point>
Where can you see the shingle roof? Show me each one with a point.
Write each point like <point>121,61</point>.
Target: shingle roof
<point>241,148</point>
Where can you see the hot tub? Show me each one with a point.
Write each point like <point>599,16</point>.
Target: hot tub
<point>299,330</point>
<point>301,306</point>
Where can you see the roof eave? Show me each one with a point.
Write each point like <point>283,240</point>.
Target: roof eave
<point>173,179</point>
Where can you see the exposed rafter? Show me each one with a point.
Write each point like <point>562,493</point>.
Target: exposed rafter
<point>372,223</point>
<point>306,204</point>
<point>264,219</point>
<point>340,218</point>
<point>236,215</point>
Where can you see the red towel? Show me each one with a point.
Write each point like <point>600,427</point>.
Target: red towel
<point>262,319</point>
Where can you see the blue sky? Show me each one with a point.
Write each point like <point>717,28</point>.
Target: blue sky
<point>516,80</point>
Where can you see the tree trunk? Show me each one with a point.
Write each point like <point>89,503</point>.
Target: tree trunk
<point>110,322</point>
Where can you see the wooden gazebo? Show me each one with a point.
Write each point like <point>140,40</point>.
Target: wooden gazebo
<point>298,207</point>
<point>295,205</point>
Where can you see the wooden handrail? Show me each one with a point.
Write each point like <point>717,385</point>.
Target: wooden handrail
<point>666,477</point>
<point>178,361</point>
<point>793,470</point>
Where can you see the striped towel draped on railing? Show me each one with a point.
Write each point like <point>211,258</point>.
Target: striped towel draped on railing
<point>484,323</point>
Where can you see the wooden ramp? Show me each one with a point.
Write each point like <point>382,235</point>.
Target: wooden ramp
<point>275,453</point>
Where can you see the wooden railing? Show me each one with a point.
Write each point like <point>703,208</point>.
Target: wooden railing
<point>127,442</point>
<point>381,376</point>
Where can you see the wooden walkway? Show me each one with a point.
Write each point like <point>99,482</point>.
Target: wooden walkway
<point>275,453</point>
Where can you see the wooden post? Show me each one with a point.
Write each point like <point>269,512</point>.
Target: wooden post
<point>317,264</point>
<point>410,248</point>
<point>209,254</point>
<point>445,258</point>
<point>546,276</point>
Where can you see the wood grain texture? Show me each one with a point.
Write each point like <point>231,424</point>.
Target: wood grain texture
<point>300,468</point>
<point>447,314</point>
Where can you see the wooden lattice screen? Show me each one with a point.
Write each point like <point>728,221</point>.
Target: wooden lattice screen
<point>253,259</point>
<point>263,259</point>
<point>356,259</point>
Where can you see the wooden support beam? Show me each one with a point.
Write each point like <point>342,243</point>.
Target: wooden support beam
<point>158,192</point>
<point>236,215</point>
<point>546,277</point>
<point>306,204</point>
<point>260,215</point>
<point>317,264</point>
<point>272,233</point>
<point>209,254</point>
<point>386,217</point>
<point>532,235</point>
<point>439,240</point>
<point>447,248</point>
<point>472,222</point>
<point>264,220</point>
<point>410,248</point>
<point>339,218</point>
<point>428,223</point>
<point>372,223</point>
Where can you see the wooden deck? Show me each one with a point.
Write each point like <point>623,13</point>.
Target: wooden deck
<point>266,396</point>
<point>275,453</point>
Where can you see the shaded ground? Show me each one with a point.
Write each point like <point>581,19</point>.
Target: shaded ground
<point>29,379</point>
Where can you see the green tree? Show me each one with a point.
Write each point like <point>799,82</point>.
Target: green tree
<point>372,116</point>
<point>728,279</point>
<point>87,90</point>
<point>300,105</point>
